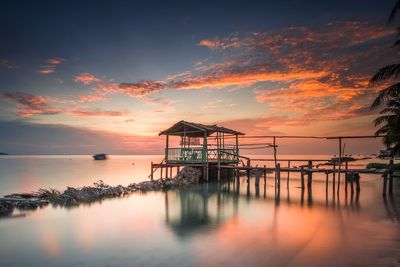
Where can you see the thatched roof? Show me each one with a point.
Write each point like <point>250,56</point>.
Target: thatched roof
<point>197,129</point>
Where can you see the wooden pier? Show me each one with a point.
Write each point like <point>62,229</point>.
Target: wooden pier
<point>210,148</point>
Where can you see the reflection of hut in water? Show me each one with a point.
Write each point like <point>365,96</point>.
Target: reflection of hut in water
<point>200,208</point>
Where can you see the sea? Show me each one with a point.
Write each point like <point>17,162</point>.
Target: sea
<point>213,224</point>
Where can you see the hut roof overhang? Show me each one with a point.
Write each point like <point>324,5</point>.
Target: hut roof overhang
<point>196,129</point>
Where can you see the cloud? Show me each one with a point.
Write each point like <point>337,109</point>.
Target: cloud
<point>86,78</point>
<point>224,78</point>
<point>29,105</point>
<point>97,113</point>
<point>101,88</point>
<point>50,66</point>
<point>141,88</point>
<point>308,74</point>
<point>90,98</point>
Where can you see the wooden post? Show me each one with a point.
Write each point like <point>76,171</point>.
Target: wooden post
<point>358,184</point>
<point>208,169</point>
<point>161,171</point>
<point>170,172</point>
<point>345,175</point>
<point>248,170</point>
<point>334,173</point>
<point>302,177</point>
<point>384,184</point>
<point>275,160</point>
<point>265,174</point>
<point>152,171</point>
<point>278,174</point>
<point>288,175</point>
<point>340,161</point>
<point>257,180</point>
<point>352,186</point>
<point>237,147</point>
<point>166,146</point>
<point>309,173</point>
<point>326,182</point>
<point>218,158</point>
<point>166,172</point>
<point>391,170</point>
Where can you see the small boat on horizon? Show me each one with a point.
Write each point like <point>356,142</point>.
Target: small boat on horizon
<point>101,156</point>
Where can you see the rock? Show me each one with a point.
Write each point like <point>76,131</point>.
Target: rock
<point>6,208</point>
<point>74,196</point>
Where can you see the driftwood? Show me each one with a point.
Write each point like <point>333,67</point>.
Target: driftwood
<point>87,194</point>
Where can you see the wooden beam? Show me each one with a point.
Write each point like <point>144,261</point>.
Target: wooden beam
<point>339,162</point>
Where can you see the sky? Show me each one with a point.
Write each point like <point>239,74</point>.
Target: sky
<point>81,77</point>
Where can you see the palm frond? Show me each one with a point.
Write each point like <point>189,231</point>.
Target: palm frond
<point>383,119</point>
<point>385,94</point>
<point>386,73</point>
<point>397,43</point>
<point>394,11</point>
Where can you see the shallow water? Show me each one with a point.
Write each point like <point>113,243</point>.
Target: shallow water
<point>204,225</point>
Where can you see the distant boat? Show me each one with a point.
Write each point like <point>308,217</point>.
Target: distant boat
<point>101,156</point>
<point>3,154</point>
<point>335,160</point>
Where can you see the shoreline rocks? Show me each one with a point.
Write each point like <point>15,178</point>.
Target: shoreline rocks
<point>98,191</point>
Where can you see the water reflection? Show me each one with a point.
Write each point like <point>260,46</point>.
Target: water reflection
<point>206,206</point>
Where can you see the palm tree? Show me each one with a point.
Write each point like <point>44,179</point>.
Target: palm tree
<point>389,123</point>
<point>389,119</point>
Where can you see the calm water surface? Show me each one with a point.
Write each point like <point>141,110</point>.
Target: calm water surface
<point>204,225</point>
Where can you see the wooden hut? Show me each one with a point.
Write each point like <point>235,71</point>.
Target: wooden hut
<point>201,144</point>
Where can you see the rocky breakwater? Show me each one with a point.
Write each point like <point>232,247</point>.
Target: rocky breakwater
<point>98,191</point>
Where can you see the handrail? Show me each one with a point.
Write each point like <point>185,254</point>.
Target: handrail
<point>153,170</point>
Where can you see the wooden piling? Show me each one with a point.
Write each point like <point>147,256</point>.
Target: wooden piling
<point>248,170</point>
<point>339,161</point>
<point>170,172</point>
<point>152,170</point>
<point>302,177</point>
<point>384,184</point>
<point>358,185</point>
<point>278,174</point>
<point>309,174</point>
<point>161,172</point>
<point>257,179</point>
<point>326,182</point>
<point>334,173</point>
<point>391,171</point>
<point>352,186</point>
<point>288,175</point>
<point>265,174</point>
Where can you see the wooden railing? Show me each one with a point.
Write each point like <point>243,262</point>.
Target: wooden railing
<point>200,155</point>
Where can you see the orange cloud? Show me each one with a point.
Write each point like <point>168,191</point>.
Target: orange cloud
<point>90,98</point>
<point>97,113</point>
<point>226,78</point>
<point>141,88</point>
<point>86,78</point>
<point>50,66</point>
<point>28,104</point>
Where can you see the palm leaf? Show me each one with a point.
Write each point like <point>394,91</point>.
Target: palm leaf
<point>385,94</point>
<point>394,11</point>
<point>386,73</point>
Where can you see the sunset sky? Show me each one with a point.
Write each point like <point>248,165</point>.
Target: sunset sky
<point>84,76</point>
